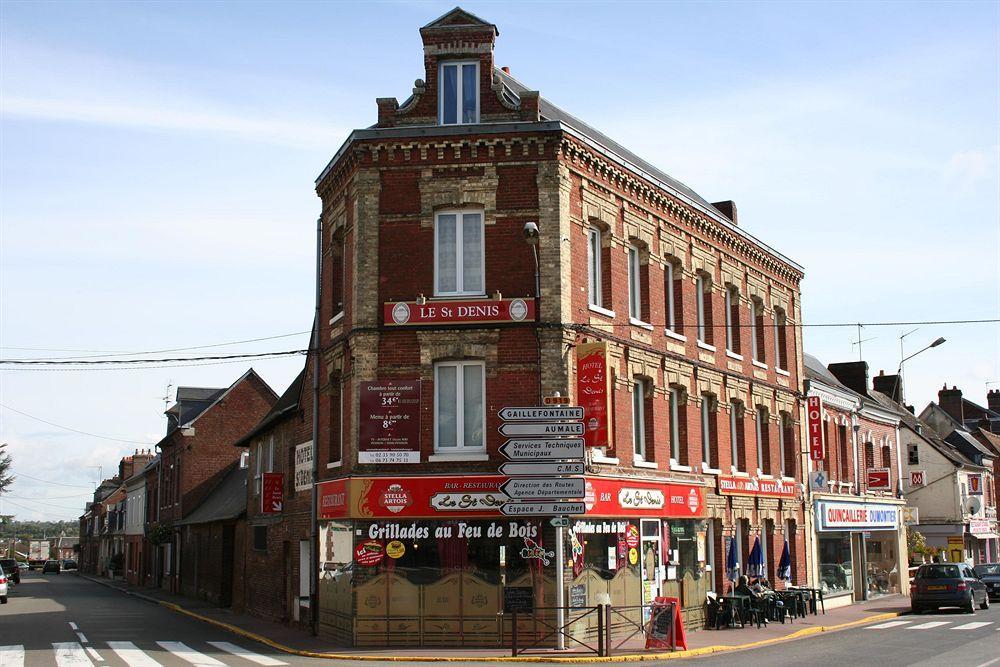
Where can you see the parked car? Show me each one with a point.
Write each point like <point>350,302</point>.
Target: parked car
<point>9,565</point>
<point>947,585</point>
<point>50,566</point>
<point>69,564</point>
<point>23,566</point>
<point>3,586</point>
<point>990,574</point>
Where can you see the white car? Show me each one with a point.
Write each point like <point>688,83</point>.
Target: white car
<point>3,587</point>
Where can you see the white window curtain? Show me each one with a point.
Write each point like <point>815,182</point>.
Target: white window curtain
<point>639,419</point>
<point>458,253</point>
<point>634,284</point>
<point>700,298</point>
<point>594,267</point>
<point>675,431</point>
<point>668,290</point>
<point>706,436</point>
<point>734,441</point>
<point>459,406</point>
<point>761,428</point>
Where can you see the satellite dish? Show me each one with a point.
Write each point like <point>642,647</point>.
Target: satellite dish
<point>974,504</point>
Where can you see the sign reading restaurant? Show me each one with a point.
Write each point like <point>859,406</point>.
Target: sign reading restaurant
<point>476,311</point>
<point>857,516</point>
<point>730,485</point>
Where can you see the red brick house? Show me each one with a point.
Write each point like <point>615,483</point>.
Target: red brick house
<point>436,314</point>
<point>202,426</point>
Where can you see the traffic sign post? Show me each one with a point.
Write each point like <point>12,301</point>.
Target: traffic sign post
<point>542,469</point>
<point>544,488</point>
<point>542,429</point>
<point>544,413</point>
<point>543,449</point>
<point>542,509</point>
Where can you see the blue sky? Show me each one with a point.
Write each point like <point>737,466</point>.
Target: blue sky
<point>157,164</point>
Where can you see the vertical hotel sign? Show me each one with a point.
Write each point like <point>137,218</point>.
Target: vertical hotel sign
<point>814,421</point>
<point>593,393</point>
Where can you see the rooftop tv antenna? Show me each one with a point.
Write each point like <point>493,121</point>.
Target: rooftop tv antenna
<point>861,340</point>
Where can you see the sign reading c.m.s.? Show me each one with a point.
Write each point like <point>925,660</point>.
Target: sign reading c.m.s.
<point>814,420</point>
<point>593,393</point>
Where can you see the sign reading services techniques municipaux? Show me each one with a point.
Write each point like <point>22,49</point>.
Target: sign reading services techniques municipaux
<point>390,422</point>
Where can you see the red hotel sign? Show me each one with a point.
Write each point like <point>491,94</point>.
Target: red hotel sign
<point>273,493</point>
<point>814,420</point>
<point>746,486</point>
<point>593,393</point>
<point>474,311</point>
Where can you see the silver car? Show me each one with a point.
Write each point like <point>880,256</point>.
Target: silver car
<point>3,587</point>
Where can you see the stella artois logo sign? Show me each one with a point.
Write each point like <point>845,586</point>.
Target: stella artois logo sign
<point>395,498</point>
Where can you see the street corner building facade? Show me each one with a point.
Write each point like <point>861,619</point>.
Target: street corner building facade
<point>483,249</point>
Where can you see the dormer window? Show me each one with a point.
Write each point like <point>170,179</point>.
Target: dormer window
<point>458,100</point>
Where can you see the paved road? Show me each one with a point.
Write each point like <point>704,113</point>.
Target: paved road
<point>67,621</point>
<point>945,638</point>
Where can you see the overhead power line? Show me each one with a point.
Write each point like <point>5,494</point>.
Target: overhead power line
<point>74,430</point>
<point>98,362</point>
<point>39,479</point>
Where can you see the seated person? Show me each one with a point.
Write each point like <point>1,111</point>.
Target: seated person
<point>743,588</point>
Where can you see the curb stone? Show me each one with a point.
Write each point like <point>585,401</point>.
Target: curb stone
<point>628,657</point>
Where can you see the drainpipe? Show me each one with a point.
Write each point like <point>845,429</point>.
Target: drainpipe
<point>314,348</point>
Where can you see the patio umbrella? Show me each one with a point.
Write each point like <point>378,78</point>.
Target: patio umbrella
<point>732,565</point>
<point>785,564</point>
<point>755,563</point>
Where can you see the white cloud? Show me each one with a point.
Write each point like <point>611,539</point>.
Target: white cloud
<point>966,170</point>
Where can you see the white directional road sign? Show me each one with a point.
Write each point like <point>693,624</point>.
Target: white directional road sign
<point>550,429</point>
<point>542,469</point>
<point>559,521</point>
<point>542,449</point>
<point>541,413</point>
<point>544,488</point>
<point>541,509</point>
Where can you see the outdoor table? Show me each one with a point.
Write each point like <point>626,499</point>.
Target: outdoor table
<point>815,594</point>
<point>735,605</point>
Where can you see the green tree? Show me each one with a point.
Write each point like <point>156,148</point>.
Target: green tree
<point>6,478</point>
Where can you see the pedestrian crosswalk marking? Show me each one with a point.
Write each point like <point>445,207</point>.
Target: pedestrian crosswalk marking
<point>927,626</point>
<point>248,654</point>
<point>188,654</point>
<point>890,624</point>
<point>71,654</point>
<point>11,656</point>
<point>94,654</point>
<point>132,655</point>
<point>973,626</point>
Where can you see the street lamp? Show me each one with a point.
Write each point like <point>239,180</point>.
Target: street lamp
<point>899,372</point>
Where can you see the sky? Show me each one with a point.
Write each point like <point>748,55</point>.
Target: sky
<point>157,162</point>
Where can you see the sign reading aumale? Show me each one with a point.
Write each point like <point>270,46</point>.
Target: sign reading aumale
<point>544,488</point>
<point>544,429</point>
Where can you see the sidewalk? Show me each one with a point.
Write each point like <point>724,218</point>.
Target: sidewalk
<point>700,642</point>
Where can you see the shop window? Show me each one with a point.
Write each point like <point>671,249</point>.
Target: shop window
<point>709,436</point>
<point>703,294</point>
<point>736,439</point>
<point>458,100</point>
<point>732,319</point>
<point>780,339</point>
<point>846,462</point>
<point>912,455</point>
<point>459,254</point>
<point>882,576</point>
<point>336,271</point>
<point>260,538</point>
<point>673,296</point>
<point>793,549</point>
<point>836,566</point>
<point>638,284</point>
<point>761,425</point>
<point>757,330</point>
<point>459,406</point>
<point>711,538</point>
<point>678,452</point>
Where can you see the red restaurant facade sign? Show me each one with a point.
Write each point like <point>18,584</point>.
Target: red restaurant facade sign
<point>473,311</point>
<point>389,425</point>
<point>730,485</point>
<point>272,492</point>
<point>814,421</point>
<point>593,393</point>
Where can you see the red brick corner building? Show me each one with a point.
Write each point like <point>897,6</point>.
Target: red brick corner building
<point>431,324</point>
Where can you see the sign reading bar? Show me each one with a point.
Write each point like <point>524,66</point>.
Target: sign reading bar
<point>389,424</point>
<point>544,488</point>
<point>542,509</point>
<point>814,414</point>
<point>747,486</point>
<point>542,469</point>
<point>878,478</point>
<point>542,429</point>
<point>473,311</point>
<point>272,492</point>
<point>540,414</point>
<point>593,393</point>
<point>544,449</point>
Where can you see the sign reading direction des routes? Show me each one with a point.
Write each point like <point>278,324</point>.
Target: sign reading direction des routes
<point>544,488</point>
<point>541,413</point>
<point>544,509</point>
<point>542,429</point>
<point>543,449</point>
<point>542,469</point>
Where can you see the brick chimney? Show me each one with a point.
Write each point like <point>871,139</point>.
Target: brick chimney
<point>726,208</point>
<point>950,401</point>
<point>890,385</point>
<point>993,400</point>
<point>852,374</point>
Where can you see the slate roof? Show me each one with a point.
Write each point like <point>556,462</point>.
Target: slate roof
<point>815,370</point>
<point>285,407</point>
<point>227,501</point>
<point>925,431</point>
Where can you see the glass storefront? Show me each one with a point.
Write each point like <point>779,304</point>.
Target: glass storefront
<point>836,571</point>
<point>881,563</point>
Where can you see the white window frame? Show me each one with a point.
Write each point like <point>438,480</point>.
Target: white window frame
<point>459,258</point>
<point>759,428</point>
<point>668,286</point>
<point>595,296</point>
<point>755,354</point>
<point>460,446</point>
<point>634,283</point>
<point>781,444</point>
<point>459,64</point>
<point>730,333</point>
<point>779,318</point>
<point>700,300</point>
<point>706,433</point>
<point>258,466</point>
<point>734,444</point>
<point>639,419</point>
<point>675,427</point>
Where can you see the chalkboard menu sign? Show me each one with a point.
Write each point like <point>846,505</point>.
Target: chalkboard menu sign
<point>519,599</point>
<point>578,596</point>
<point>662,622</point>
